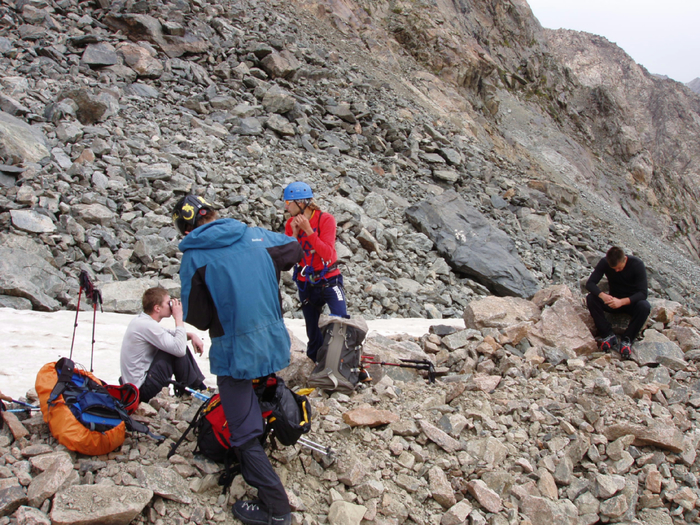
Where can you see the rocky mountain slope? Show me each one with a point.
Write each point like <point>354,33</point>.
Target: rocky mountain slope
<point>694,85</point>
<point>110,114</point>
<point>464,151</point>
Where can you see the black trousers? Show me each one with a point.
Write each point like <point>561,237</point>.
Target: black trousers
<point>313,298</point>
<point>164,367</point>
<point>638,311</point>
<point>245,422</point>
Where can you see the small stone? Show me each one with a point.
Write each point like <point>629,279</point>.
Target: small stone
<point>486,497</point>
<point>457,514</point>
<point>440,487</point>
<point>367,416</point>
<point>547,485</point>
<point>607,486</point>
<point>653,481</point>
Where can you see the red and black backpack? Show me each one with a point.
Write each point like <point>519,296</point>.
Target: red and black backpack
<point>286,416</point>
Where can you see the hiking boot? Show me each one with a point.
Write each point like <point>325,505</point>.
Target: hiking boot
<point>250,513</point>
<point>179,390</point>
<point>626,348</point>
<point>204,388</point>
<point>285,519</point>
<point>609,343</point>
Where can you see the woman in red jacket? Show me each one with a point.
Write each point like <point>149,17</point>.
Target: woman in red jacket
<point>317,275</point>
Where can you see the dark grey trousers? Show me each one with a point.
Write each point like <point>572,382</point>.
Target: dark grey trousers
<point>245,422</point>
<point>164,367</point>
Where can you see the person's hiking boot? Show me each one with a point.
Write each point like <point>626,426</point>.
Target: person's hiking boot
<point>179,390</point>
<point>285,519</point>
<point>626,348</point>
<point>204,388</point>
<point>251,513</point>
<point>609,343</point>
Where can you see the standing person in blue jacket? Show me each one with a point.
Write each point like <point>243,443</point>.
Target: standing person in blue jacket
<point>627,278</point>
<point>230,286</point>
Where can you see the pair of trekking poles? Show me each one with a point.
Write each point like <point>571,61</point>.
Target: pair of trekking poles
<point>94,296</point>
<point>417,364</point>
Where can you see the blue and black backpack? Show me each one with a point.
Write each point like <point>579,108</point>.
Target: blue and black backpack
<point>81,412</point>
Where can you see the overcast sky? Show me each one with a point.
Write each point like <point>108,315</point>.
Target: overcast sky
<point>661,35</point>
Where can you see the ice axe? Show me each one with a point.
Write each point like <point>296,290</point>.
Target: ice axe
<point>27,406</point>
<point>417,364</point>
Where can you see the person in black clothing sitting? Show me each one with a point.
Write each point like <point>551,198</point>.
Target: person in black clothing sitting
<point>627,278</point>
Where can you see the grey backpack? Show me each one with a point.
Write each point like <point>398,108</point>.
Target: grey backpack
<point>338,365</point>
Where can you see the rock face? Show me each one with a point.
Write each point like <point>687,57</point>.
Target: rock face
<point>99,138</point>
<point>694,85</point>
<point>472,245</point>
<point>25,273</point>
<point>640,140</point>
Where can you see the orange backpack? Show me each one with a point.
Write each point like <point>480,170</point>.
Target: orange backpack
<point>80,411</point>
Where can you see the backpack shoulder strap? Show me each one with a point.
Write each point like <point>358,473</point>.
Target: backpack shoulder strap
<point>194,421</point>
<point>65,375</point>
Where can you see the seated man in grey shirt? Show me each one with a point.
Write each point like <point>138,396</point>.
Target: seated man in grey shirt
<point>151,354</point>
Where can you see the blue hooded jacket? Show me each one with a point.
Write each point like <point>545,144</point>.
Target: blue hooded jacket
<point>230,286</point>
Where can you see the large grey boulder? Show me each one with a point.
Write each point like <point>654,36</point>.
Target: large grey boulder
<point>125,296</point>
<point>20,141</point>
<point>25,271</point>
<point>99,504</point>
<point>32,221</point>
<point>466,239</point>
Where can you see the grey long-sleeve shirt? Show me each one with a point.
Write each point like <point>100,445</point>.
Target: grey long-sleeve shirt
<point>143,338</point>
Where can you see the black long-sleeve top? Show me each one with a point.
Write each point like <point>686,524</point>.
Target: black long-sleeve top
<point>630,282</point>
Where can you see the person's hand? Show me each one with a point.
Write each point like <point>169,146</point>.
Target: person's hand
<point>302,223</point>
<point>196,343</point>
<point>606,298</point>
<point>176,309</point>
<point>616,303</point>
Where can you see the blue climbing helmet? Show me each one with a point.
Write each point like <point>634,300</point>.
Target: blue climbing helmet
<point>297,191</point>
<point>187,210</point>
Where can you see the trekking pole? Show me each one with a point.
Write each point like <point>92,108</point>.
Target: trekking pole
<point>92,348</point>
<point>316,446</point>
<point>75,326</point>
<point>417,364</point>
<point>93,295</point>
<point>173,446</point>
